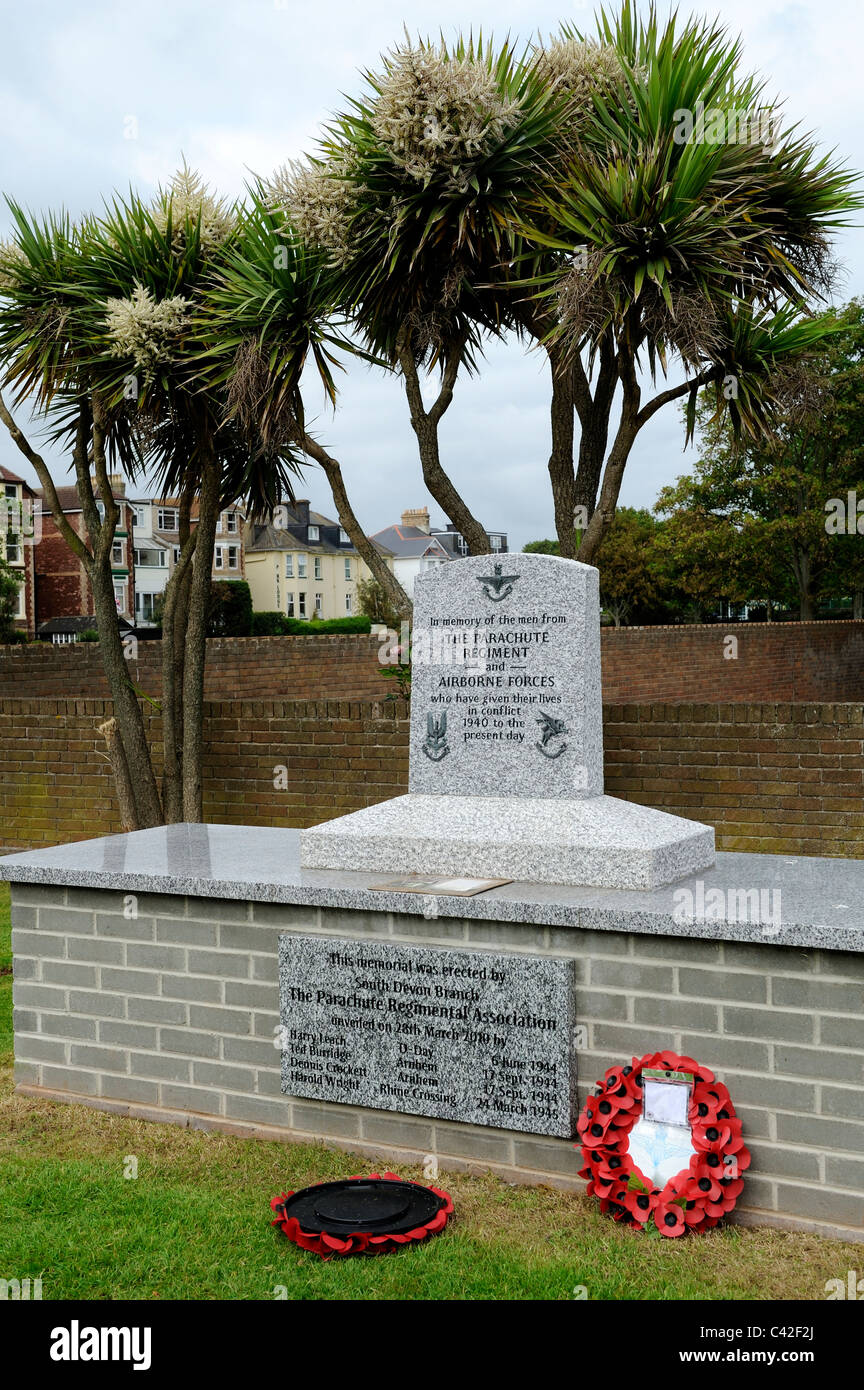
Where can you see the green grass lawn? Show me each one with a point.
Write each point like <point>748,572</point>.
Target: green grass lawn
<point>194,1224</point>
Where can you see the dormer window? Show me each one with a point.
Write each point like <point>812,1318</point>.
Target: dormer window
<point>313,533</point>
<point>344,538</point>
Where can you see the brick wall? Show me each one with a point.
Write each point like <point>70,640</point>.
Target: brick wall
<point>818,662</point>
<point>171,1015</point>
<point>320,667</point>
<point>772,778</point>
<point>786,779</point>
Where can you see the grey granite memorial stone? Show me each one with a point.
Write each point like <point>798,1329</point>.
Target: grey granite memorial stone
<point>506,744</point>
<point>476,1036</point>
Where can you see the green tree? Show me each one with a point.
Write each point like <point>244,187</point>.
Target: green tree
<point>230,613</point>
<point>756,510</point>
<point>416,195</point>
<point>704,246</point>
<point>9,588</point>
<point>627,560</point>
<point>374,602</point>
<point>105,326</point>
<point>542,548</point>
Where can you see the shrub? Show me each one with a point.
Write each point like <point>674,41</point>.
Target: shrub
<point>88,635</point>
<point>230,609</point>
<point>268,624</point>
<point>304,627</point>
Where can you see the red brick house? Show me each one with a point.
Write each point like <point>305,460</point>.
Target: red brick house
<point>62,587</point>
<point>18,545</point>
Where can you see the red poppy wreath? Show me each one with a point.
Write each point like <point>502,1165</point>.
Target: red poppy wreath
<point>372,1215</point>
<point>694,1199</point>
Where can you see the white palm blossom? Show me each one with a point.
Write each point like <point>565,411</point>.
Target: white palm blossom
<point>145,329</point>
<point>320,201</point>
<point>439,115</point>
<point>579,68</point>
<point>185,201</point>
<point>11,255</point>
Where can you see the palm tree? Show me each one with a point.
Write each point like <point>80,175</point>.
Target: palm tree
<point>414,196</point>
<point>704,237</point>
<point>270,310</point>
<point>101,326</point>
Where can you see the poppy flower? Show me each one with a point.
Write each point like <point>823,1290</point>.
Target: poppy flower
<point>669,1219</point>
<point>641,1204</point>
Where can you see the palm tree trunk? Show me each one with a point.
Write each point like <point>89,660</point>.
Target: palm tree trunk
<point>174,621</point>
<point>425,425</point>
<point>367,551</point>
<point>196,636</point>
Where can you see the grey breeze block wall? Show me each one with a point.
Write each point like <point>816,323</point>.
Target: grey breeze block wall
<point>171,1016</point>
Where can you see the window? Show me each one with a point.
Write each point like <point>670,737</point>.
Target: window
<point>151,559</point>
<point>301,605</point>
<point>319,605</point>
<point>117,553</point>
<point>231,523</point>
<point>100,507</point>
<point>349,603</point>
<point>120,597</point>
<point>317,566</point>
<point>167,519</point>
<point>176,550</point>
<point>289,603</point>
<point>313,533</point>
<point>496,542</point>
<point>144,606</point>
<point>227,557</point>
<point>289,566</point>
<point>347,567</point>
<point>13,548</point>
<point>139,516</point>
<point>301,566</point>
<point>11,490</point>
<point>344,538</point>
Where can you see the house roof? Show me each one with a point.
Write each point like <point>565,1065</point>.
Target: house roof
<point>8,476</point>
<point>67,496</point>
<point>409,542</point>
<point>268,538</point>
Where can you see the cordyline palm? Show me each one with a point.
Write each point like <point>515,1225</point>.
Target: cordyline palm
<point>45,343</point>
<point>708,250</point>
<point>269,311</point>
<point>415,196</point>
<point>115,365</point>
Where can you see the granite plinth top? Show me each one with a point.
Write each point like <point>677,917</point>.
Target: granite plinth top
<point>772,899</point>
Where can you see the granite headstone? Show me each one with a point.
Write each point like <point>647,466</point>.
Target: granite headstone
<point>506,744</point>
<point>505,676</point>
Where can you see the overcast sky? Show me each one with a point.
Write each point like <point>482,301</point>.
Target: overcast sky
<point>95,96</point>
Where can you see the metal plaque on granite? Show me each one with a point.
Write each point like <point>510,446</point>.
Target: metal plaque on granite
<point>476,1036</point>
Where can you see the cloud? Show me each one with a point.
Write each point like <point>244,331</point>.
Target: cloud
<point>239,86</point>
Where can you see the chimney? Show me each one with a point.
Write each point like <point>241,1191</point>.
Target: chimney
<point>301,510</point>
<point>117,481</point>
<point>417,516</point>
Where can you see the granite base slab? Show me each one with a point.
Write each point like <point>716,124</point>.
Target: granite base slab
<point>596,842</point>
